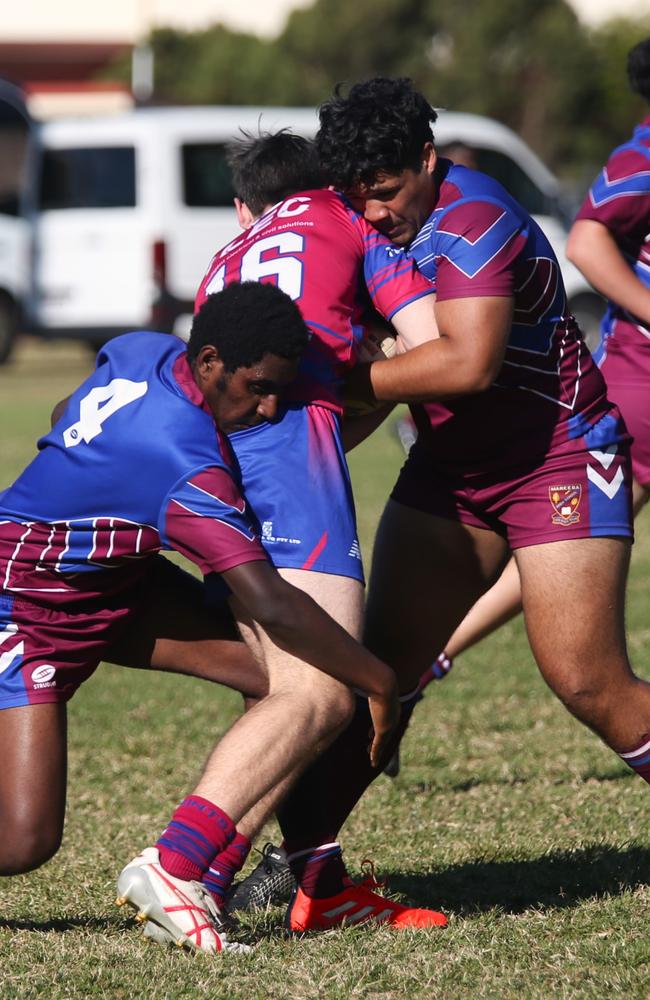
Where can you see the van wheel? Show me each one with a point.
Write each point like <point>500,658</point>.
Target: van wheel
<point>8,327</point>
<point>588,309</point>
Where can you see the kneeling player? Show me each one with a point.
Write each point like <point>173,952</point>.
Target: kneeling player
<point>137,462</point>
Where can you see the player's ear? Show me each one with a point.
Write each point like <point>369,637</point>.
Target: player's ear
<point>429,157</point>
<point>208,361</point>
<point>245,217</point>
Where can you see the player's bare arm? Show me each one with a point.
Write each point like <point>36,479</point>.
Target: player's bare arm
<point>465,358</point>
<point>416,324</point>
<point>593,249</point>
<point>297,624</point>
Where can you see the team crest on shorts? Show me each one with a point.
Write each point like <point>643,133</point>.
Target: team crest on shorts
<point>565,501</point>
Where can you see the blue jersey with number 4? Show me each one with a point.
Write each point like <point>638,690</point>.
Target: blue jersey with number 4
<point>135,464</point>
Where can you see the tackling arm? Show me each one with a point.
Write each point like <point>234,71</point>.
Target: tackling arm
<point>465,358</point>
<point>296,624</point>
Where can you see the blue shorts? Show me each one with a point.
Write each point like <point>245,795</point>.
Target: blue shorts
<point>297,485</point>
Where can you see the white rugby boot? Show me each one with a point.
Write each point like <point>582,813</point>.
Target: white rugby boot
<point>184,911</point>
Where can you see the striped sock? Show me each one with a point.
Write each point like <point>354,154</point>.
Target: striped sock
<point>319,871</point>
<point>638,758</point>
<point>221,873</point>
<point>196,833</point>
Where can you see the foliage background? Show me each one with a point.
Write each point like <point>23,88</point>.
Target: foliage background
<point>529,63</point>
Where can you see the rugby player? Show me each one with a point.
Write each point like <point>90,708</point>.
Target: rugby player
<point>136,463</point>
<point>608,242</point>
<point>518,449</point>
<point>317,248</point>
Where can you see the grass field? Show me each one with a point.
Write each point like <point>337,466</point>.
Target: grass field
<point>508,815</point>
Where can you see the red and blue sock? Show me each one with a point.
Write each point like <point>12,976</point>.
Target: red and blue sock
<point>638,758</point>
<point>196,833</point>
<point>221,873</point>
<point>319,871</point>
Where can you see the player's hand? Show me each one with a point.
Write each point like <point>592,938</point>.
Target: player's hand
<point>385,713</point>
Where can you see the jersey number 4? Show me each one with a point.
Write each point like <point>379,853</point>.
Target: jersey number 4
<point>287,269</point>
<point>100,404</point>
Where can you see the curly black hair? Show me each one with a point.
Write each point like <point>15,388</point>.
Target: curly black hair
<point>382,126</point>
<point>268,167</point>
<point>246,321</point>
<point>638,68</point>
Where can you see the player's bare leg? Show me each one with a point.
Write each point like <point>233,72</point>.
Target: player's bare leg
<point>577,634</point>
<point>178,633</point>
<point>503,600</point>
<point>299,696</point>
<point>342,598</point>
<point>303,711</point>
<point>32,785</point>
<point>427,572</point>
<point>496,607</point>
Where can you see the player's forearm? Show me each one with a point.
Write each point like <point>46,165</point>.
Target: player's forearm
<point>433,371</point>
<point>296,624</point>
<point>356,429</point>
<point>594,251</point>
<point>311,635</point>
<point>465,359</point>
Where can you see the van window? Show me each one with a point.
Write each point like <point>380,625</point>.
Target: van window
<point>206,176</point>
<point>102,177</point>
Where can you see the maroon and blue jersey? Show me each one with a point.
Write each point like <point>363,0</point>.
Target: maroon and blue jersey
<point>619,198</point>
<point>328,259</point>
<point>134,465</point>
<point>480,242</point>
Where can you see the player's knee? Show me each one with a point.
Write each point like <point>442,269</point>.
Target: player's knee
<point>590,700</point>
<point>26,846</point>
<point>331,706</point>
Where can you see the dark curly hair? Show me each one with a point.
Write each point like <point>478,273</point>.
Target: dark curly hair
<point>246,321</point>
<point>268,167</point>
<point>380,127</point>
<point>638,68</point>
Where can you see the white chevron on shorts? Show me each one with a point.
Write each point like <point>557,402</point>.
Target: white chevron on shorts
<point>609,489</point>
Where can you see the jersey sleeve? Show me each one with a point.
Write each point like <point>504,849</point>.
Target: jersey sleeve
<point>619,198</point>
<point>392,278</point>
<point>477,245</point>
<point>207,521</point>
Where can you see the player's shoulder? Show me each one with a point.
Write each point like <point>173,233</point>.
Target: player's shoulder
<point>471,203</point>
<point>462,184</point>
<point>142,344</point>
<point>141,355</point>
<point>631,161</point>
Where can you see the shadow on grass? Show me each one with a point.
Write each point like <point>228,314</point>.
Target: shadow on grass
<point>427,787</point>
<point>557,879</point>
<point>60,924</point>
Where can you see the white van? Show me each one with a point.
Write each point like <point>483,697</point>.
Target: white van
<point>127,211</point>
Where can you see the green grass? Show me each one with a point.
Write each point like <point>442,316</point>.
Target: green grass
<point>508,815</point>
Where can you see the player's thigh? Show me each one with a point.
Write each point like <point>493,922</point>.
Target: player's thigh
<point>342,598</point>
<point>427,571</point>
<point>573,595</point>
<point>32,784</point>
<point>185,628</point>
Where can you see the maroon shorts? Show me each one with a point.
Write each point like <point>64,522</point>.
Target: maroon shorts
<point>580,490</point>
<point>47,652</point>
<point>627,374</point>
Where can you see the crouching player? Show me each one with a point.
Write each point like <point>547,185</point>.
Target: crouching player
<point>136,463</point>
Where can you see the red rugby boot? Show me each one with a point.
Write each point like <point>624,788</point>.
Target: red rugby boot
<point>356,904</point>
